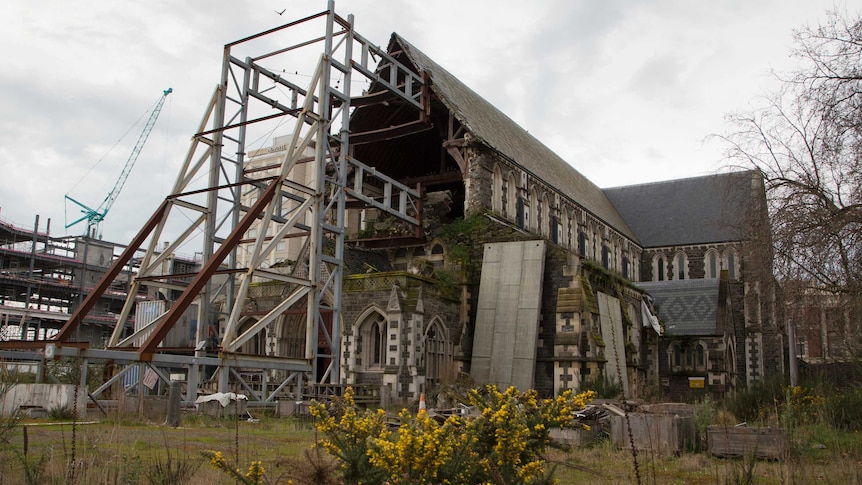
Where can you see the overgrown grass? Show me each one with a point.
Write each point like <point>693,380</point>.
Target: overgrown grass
<point>603,387</point>
<point>114,453</point>
<point>111,453</point>
<point>757,402</point>
<point>821,422</point>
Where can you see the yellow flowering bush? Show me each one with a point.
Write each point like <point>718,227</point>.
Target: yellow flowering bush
<point>503,444</point>
<point>801,405</point>
<point>347,433</point>
<point>253,476</point>
<point>420,450</point>
<point>514,430</point>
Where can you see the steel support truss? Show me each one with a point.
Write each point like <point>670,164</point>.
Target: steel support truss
<point>216,199</point>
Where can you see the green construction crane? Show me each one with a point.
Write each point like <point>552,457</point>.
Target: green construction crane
<point>94,217</point>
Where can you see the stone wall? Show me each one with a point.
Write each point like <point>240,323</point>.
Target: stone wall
<point>675,383</point>
<point>409,303</point>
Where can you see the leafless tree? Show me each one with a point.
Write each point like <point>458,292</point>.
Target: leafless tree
<point>806,140</point>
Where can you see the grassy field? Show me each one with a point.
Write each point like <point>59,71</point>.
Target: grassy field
<point>604,465</point>
<point>128,451</point>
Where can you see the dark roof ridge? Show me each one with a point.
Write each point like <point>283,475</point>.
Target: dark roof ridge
<point>683,179</point>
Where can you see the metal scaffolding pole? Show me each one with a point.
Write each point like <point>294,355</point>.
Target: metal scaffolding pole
<point>222,207</point>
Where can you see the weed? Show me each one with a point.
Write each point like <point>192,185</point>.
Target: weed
<point>703,415</point>
<point>175,468</point>
<point>254,476</point>
<point>603,387</point>
<point>757,402</point>
<point>131,470</point>
<point>743,474</point>
<point>33,468</point>
<point>61,413</point>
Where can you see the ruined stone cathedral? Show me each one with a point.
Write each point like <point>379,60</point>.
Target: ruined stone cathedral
<point>525,273</point>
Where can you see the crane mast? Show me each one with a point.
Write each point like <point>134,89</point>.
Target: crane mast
<point>94,217</point>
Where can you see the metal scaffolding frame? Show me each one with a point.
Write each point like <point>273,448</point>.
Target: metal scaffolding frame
<point>216,200</point>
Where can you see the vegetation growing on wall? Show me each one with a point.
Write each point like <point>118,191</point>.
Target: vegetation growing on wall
<point>448,282</point>
<point>605,279</point>
<point>461,236</point>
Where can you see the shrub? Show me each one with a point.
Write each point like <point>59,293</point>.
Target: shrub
<point>757,402</point>
<point>253,476</point>
<point>175,469</point>
<point>801,406</point>
<point>602,387</point>
<point>61,413</point>
<point>842,409</point>
<point>703,415</point>
<point>503,444</point>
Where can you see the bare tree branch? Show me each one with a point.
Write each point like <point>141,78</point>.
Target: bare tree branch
<point>806,141</point>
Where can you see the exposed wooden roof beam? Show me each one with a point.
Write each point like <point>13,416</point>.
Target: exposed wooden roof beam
<point>434,179</point>
<point>397,131</point>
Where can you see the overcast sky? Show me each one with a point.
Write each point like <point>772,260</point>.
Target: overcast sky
<point>626,91</point>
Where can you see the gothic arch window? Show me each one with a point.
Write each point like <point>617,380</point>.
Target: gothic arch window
<point>533,212</point>
<point>711,264</point>
<point>372,342</point>
<point>545,222</point>
<point>254,345</point>
<point>291,336</point>
<point>437,256</point>
<point>565,239</point>
<point>497,191</point>
<point>438,353</point>
<point>595,251</point>
<point>659,266</point>
<point>582,242</point>
<point>625,264</point>
<point>674,357</point>
<point>688,357</point>
<point>729,261</point>
<point>730,356</point>
<point>605,256</point>
<point>511,197</point>
<point>700,356</point>
<point>680,263</point>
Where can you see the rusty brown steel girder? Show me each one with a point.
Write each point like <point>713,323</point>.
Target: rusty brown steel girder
<point>115,269</point>
<point>37,344</point>
<point>182,276</point>
<point>209,269</point>
<point>276,29</point>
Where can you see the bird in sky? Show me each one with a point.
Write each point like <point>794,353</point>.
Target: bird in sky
<point>283,10</point>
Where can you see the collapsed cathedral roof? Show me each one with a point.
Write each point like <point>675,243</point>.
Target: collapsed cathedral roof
<point>498,132</point>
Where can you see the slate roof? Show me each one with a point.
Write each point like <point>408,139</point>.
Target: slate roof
<point>698,210</point>
<point>685,307</point>
<point>497,131</point>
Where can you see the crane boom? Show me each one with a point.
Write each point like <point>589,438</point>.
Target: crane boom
<point>94,217</point>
